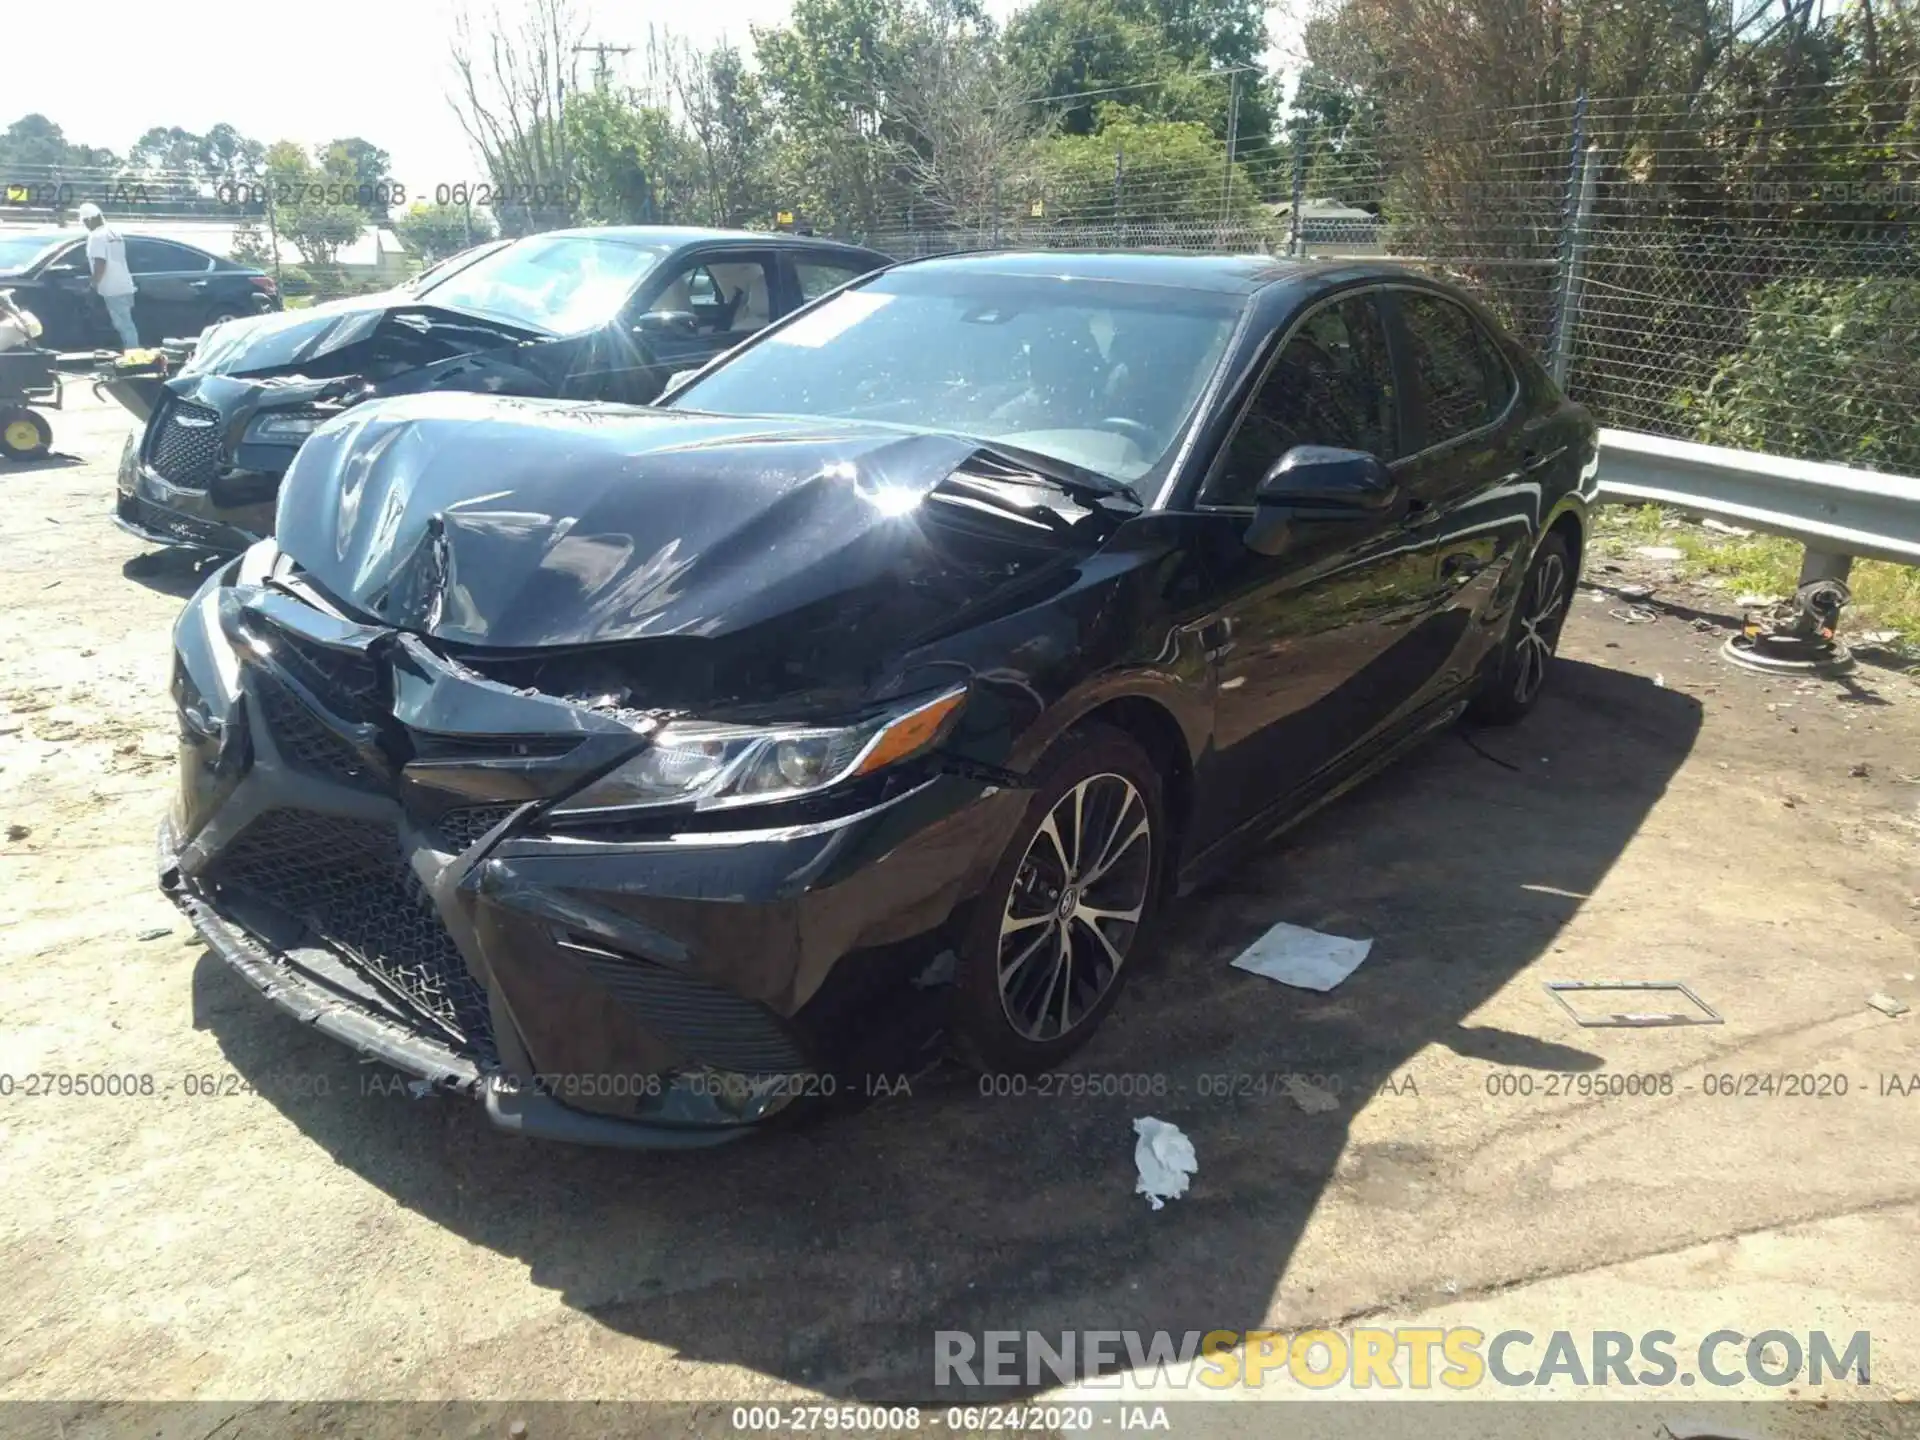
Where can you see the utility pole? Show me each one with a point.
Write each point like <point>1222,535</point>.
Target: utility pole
<point>602,72</point>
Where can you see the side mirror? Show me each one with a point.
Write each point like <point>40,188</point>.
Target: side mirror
<point>1318,482</point>
<point>667,322</point>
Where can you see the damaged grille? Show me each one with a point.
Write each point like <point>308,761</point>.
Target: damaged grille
<point>346,879</point>
<point>464,824</point>
<point>306,742</point>
<point>348,680</point>
<point>187,452</point>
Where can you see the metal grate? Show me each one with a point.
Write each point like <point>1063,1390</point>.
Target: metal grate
<point>464,824</point>
<point>308,743</point>
<point>346,879</point>
<point>710,1024</point>
<point>349,680</point>
<point>187,452</point>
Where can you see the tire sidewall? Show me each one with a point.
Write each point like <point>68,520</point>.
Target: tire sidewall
<point>982,1034</point>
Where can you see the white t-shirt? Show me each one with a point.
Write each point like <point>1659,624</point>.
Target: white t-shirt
<point>104,243</point>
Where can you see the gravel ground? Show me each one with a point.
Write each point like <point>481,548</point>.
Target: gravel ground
<point>301,1234</point>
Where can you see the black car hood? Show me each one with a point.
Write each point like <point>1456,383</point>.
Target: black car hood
<point>512,524</point>
<point>289,340</point>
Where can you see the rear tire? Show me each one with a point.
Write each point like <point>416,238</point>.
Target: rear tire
<point>1520,666</point>
<point>24,435</point>
<point>1046,952</point>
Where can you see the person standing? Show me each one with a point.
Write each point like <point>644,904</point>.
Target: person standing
<point>112,281</point>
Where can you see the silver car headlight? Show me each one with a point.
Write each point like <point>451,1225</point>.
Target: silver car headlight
<point>284,427</point>
<point>711,766</point>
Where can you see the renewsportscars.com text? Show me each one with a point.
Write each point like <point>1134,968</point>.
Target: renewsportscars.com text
<point>1402,1357</point>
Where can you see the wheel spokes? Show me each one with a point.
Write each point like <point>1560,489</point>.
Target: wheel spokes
<point>1057,956</point>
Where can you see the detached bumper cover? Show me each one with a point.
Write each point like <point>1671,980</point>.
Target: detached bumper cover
<point>386,881</point>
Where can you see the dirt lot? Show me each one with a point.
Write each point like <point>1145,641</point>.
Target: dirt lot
<point>1663,816</point>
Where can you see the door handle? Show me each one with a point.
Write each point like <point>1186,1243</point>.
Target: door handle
<point>1461,567</point>
<point>1420,512</point>
<point>1531,460</point>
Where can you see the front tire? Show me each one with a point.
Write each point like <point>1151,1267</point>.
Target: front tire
<point>24,435</point>
<point>1045,955</point>
<point>1519,672</point>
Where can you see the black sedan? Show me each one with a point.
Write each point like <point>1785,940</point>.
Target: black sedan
<point>602,314</point>
<point>179,290</point>
<point>650,773</point>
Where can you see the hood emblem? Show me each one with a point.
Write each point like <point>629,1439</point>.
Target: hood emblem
<point>192,422</point>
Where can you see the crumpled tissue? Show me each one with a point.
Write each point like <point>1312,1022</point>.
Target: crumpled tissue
<point>1164,1157</point>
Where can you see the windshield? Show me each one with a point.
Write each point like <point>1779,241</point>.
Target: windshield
<point>1101,374</point>
<point>17,252</point>
<point>440,269</point>
<point>561,283</point>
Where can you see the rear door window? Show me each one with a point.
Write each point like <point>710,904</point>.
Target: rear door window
<point>1464,382</point>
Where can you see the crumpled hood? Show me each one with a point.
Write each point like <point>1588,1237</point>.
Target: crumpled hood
<point>284,338</point>
<point>527,523</point>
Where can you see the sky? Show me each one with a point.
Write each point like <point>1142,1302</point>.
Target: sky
<point>309,72</point>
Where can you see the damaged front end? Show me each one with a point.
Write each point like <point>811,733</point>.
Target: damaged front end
<point>570,794</point>
<point>218,437</point>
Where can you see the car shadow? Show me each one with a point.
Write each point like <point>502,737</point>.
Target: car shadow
<point>829,1255</point>
<point>52,460</point>
<point>169,572</point>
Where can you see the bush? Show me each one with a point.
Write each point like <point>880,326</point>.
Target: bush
<point>1830,371</point>
<point>295,281</point>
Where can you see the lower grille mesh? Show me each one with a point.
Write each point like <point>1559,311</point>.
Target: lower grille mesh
<point>711,1024</point>
<point>305,740</point>
<point>346,879</point>
<point>464,824</point>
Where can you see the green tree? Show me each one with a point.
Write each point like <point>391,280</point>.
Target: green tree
<point>1142,173</point>
<point>731,128</point>
<point>825,72</point>
<point>434,231</point>
<point>1796,386</point>
<point>1189,60</point>
<point>366,166</point>
<point>309,216</point>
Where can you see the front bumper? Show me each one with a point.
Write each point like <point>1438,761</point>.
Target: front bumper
<point>221,512</point>
<point>670,990</point>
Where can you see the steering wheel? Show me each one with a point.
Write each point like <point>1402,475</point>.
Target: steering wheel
<point>1140,434</point>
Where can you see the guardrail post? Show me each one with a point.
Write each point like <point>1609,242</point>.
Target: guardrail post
<point>1803,643</point>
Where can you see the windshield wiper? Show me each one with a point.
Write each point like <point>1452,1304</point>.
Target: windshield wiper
<point>1074,479</point>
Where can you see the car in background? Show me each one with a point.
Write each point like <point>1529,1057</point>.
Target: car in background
<point>650,773</point>
<point>180,289</point>
<point>601,314</point>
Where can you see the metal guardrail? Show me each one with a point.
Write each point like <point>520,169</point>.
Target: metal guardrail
<point>1829,508</point>
<point>1836,512</point>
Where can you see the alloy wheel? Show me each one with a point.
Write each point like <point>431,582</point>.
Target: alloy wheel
<point>1540,618</point>
<point>1074,906</point>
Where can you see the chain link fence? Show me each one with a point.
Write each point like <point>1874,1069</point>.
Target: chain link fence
<point>1743,275</point>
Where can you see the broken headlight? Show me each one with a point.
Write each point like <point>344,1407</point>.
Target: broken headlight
<point>284,427</point>
<point>709,765</point>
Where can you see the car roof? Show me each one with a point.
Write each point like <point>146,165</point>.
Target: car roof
<point>1233,274</point>
<point>1229,274</point>
<point>700,235</point>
